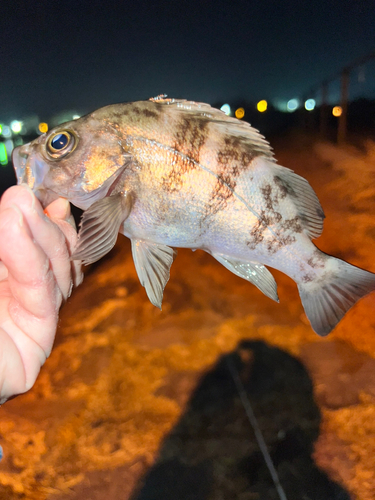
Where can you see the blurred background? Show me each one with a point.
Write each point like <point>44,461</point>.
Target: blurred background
<point>140,404</point>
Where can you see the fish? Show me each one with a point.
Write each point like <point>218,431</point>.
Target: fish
<point>170,173</point>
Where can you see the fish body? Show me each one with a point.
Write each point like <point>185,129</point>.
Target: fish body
<point>172,173</point>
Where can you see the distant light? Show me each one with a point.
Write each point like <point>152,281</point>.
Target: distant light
<point>43,127</point>
<point>280,105</point>
<point>3,155</point>
<point>292,104</point>
<point>6,132</point>
<point>75,117</point>
<point>16,126</point>
<point>226,109</point>
<point>9,146</point>
<point>262,106</point>
<point>337,111</point>
<point>240,113</point>
<point>1,129</point>
<point>18,141</point>
<point>310,104</point>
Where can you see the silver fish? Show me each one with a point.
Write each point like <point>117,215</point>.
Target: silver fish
<point>173,173</point>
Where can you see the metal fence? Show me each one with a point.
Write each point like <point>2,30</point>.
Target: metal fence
<point>355,80</point>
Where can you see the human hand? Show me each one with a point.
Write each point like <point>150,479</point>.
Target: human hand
<point>36,277</point>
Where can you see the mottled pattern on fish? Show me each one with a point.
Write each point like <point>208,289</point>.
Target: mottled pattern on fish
<point>173,173</point>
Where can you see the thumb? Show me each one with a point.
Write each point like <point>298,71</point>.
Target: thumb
<point>59,212</point>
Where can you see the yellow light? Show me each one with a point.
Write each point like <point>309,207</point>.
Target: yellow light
<point>240,113</point>
<point>43,127</point>
<point>337,111</point>
<point>262,106</point>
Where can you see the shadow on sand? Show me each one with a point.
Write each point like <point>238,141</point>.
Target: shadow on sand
<point>212,454</point>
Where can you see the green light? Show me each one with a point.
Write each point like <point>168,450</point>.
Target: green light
<point>3,154</point>
<point>1,129</point>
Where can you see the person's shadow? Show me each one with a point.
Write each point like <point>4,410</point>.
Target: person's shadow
<point>212,454</point>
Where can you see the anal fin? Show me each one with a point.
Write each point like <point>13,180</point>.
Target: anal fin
<point>153,262</point>
<point>256,273</point>
<point>99,227</point>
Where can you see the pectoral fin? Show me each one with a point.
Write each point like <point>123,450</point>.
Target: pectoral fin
<point>257,274</point>
<point>153,262</point>
<point>99,227</point>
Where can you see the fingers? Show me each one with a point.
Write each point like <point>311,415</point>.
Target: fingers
<point>50,239</point>
<point>59,209</point>
<point>35,297</point>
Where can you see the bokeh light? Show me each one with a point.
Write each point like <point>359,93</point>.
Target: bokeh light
<point>9,146</point>
<point>75,117</point>
<point>3,154</point>
<point>240,113</point>
<point>226,109</point>
<point>310,104</point>
<point>337,111</point>
<point>262,106</point>
<point>6,132</point>
<point>292,104</point>
<point>16,126</point>
<point>43,127</point>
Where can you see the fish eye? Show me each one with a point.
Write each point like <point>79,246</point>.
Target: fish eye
<point>61,143</point>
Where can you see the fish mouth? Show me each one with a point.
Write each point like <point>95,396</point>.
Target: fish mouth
<point>31,171</point>
<point>19,159</point>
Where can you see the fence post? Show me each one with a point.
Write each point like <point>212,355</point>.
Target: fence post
<point>342,125</point>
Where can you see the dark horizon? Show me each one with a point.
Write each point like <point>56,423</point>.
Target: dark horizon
<point>81,56</point>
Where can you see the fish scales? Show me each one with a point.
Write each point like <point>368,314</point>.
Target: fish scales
<point>172,173</point>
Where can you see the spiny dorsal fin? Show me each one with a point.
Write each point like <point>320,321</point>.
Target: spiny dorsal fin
<point>223,123</point>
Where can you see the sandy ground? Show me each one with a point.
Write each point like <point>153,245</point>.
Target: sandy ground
<point>140,404</point>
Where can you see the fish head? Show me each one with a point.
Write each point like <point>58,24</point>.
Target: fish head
<point>81,161</point>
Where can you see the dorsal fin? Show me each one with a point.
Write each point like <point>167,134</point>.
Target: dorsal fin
<point>302,194</point>
<point>224,124</point>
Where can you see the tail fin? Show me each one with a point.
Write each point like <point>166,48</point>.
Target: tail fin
<point>325,304</point>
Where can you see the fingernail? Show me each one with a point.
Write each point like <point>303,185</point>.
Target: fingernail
<point>30,191</point>
<point>35,205</point>
<point>65,206</point>
<point>59,209</point>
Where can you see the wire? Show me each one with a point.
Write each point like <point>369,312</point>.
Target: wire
<point>257,432</point>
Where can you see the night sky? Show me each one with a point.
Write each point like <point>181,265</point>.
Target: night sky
<point>81,55</point>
